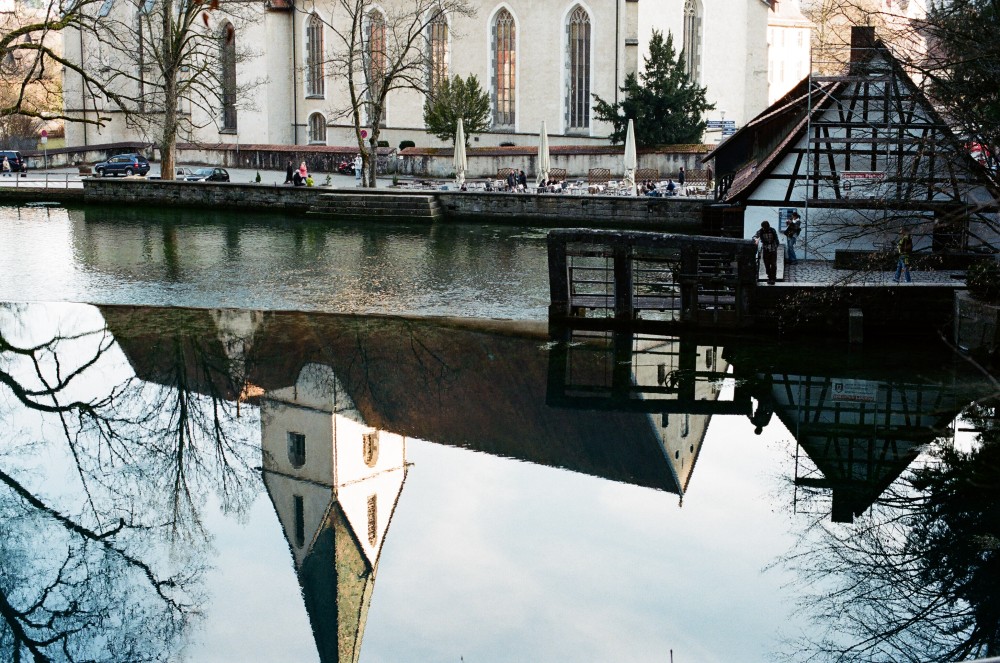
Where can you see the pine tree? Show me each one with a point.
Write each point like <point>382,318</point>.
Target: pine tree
<point>666,106</point>
<point>453,99</point>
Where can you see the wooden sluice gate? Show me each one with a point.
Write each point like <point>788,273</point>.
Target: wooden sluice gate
<point>624,276</point>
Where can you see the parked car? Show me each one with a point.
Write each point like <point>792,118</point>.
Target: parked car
<point>209,175</point>
<point>17,164</point>
<point>124,164</point>
<point>183,172</point>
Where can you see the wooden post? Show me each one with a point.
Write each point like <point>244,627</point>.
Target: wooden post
<point>559,295</point>
<point>624,303</point>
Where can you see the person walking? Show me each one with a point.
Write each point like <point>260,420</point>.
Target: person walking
<point>359,167</point>
<point>680,178</point>
<point>289,172</point>
<point>904,247</point>
<point>792,231</point>
<point>767,241</point>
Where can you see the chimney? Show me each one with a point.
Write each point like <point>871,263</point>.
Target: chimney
<point>862,44</point>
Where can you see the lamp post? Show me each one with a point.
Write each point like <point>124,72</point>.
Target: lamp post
<point>45,150</point>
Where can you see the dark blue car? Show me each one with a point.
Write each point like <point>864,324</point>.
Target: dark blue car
<point>123,164</point>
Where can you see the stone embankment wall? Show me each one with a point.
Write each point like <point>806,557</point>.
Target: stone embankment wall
<point>593,211</point>
<point>124,191</point>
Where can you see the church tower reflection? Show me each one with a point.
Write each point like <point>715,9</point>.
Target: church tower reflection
<point>334,482</point>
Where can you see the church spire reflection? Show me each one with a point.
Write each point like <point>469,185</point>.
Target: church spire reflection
<point>334,482</point>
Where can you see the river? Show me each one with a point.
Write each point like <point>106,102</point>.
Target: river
<point>213,451</point>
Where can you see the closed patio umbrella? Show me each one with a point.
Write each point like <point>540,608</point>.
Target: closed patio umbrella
<point>631,160</point>
<point>461,162</point>
<point>544,164</point>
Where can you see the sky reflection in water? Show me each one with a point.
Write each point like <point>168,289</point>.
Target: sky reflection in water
<point>490,494</point>
<point>523,528</point>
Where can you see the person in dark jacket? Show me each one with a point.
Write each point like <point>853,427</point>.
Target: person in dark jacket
<point>767,242</point>
<point>289,172</point>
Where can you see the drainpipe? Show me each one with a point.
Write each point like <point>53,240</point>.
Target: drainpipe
<point>83,93</point>
<point>295,93</point>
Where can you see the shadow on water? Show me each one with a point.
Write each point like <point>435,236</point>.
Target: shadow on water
<point>161,408</point>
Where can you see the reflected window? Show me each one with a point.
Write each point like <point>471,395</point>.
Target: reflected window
<point>578,103</point>
<point>369,447</point>
<point>372,519</point>
<point>315,75</point>
<point>686,425</point>
<point>504,69</point>
<point>692,39</point>
<point>227,37</point>
<point>297,449</point>
<point>317,129</point>
<point>438,43</point>
<point>376,54</point>
<point>300,520</point>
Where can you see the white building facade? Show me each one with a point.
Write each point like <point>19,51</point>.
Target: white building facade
<point>538,62</point>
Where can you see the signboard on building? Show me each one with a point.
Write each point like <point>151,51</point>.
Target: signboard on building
<point>861,183</point>
<point>855,391</point>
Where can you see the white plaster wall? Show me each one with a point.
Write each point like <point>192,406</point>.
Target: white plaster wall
<point>316,499</point>
<point>787,59</point>
<point>734,51</point>
<point>277,420</point>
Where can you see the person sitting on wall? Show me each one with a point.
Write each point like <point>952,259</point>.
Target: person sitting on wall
<point>671,188</point>
<point>297,178</point>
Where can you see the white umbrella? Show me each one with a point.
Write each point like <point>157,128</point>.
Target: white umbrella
<point>461,163</point>
<point>544,164</point>
<point>631,161</point>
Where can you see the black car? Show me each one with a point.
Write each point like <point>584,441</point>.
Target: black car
<point>17,164</point>
<point>124,164</point>
<point>209,175</point>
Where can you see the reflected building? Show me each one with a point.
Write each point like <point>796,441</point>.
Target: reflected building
<point>857,430</point>
<point>672,383</point>
<point>334,482</point>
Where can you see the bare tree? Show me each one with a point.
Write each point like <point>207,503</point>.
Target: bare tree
<point>32,62</point>
<point>378,50</point>
<point>173,66</point>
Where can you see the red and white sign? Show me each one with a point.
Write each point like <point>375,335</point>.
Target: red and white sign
<point>862,175</point>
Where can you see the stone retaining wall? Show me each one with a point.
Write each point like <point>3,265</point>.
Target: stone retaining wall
<point>157,193</point>
<point>547,209</point>
<point>594,211</point>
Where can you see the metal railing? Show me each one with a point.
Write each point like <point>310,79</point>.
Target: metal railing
<point>42,180</point>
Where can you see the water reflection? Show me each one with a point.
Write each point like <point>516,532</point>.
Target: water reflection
<point>156,409</point>
<point>102,475</point>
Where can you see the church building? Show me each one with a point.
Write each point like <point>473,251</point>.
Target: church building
<point>537,61</point>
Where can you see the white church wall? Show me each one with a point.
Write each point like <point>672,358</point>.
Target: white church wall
<point>733,56</point>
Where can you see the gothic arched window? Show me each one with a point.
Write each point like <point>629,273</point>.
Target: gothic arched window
<point>692,39</point>
<point>437,40</point>
<point>317,129</point>
<point>315,74</point>
<point>228,47</point>
<point>504,69</point>
<point>376,56</point>
<point>578,43</point>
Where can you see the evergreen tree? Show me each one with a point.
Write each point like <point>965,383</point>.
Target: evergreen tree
<point>666,106</point>
<point>453,99</point>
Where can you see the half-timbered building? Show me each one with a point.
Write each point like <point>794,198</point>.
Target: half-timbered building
<point>859,155</point>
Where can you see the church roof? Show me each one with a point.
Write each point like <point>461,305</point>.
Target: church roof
<point>484,390</point>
